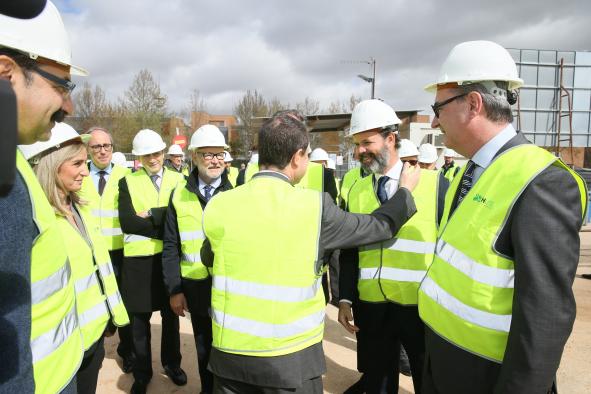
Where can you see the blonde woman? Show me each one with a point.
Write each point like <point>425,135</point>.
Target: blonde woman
<point>60,166</point>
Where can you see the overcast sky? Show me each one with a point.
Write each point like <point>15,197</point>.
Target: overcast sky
<point>295,49</point>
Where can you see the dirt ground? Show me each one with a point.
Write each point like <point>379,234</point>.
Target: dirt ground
<point>339,347</point>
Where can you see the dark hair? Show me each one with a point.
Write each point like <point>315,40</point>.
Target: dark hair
<point>497,107</point>
<point>280,138</point>
<point>23,61</point>
<point>394,130</point>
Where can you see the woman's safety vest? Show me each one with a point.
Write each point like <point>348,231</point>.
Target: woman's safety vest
<point>392,270</point>
<point>97,294</point>
<point>56,341</point>
<point>267,297</point>
<point>144,196</point>
<point>467,295</point>
<point>189,218</point>
<point>106,207</point>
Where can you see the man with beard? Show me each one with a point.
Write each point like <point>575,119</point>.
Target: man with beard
<point>386,276</point>
<point>187,280</point>
<point>38,326</point>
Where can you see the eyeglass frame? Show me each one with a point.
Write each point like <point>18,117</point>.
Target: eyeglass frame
<point>66,85</point>
<point>216,155</point>
<point>436,107</point>
<point>97,148</point>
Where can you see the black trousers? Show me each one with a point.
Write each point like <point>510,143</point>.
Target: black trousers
<point>382,328</point>
<point>87,375</point>
<point>227,386</point>
<point>170,343</point>
<point>201,323</point>
<point>125,347</point>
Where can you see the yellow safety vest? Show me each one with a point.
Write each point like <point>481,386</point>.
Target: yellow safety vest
<point>449,175</point>
<point>267,297</point>
<point>56,340</point>
<point>392,270</point>
<point>144,196</point>
<point>349,179</point>
<point>467,295</point>
<point>312,179</point>
<point>106,207</point>
<point>233,175</point>
<point>97,294</point>
<point>189,218</point>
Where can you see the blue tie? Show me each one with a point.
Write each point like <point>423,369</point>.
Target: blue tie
<point>207,191</point>
<point>466,183</point>
<point>382,194</point>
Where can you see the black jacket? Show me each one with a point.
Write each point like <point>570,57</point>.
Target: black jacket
<point>542,237</point>
<point>171,254</point>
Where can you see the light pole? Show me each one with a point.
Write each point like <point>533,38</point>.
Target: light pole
<point>372,79</point>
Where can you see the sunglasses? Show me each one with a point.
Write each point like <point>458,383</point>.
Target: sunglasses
<point>438,105</point>
<point>411,162</point>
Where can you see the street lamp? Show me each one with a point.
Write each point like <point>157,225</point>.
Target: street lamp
<point>371,79</point>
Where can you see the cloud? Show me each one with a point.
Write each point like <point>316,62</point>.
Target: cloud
<point>293,50</point>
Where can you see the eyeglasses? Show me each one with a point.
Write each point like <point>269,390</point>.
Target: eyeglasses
<point>64,86</point>
<point>209,155</point>
<point>437,106</point>
<point>411,162</point>
<point>97,148</point>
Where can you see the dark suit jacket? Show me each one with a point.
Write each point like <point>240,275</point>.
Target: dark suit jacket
<point>542,237</point>
<point>171,253</point>
<point>338,229</point>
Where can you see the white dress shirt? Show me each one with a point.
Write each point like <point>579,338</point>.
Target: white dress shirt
<point>394,175</point>
<point>214,185</point>
<point>487,152</point>
<point>94,173</point>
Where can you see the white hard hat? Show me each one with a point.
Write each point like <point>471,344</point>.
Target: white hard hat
<point>43,36</point>
<point>449,153</point>
<point>318,154</point>
<point>477,61</point>
<point>254,158</point>
<point>119,158</point>
<point>60,133</point>
<point>227,157</point>
<point>330,163</point>
<point>147,141</point>
<point>427,154</point>
<point>407,148</point>
<point>175,149</point>
<point>372,114</point>
<point>207,135</point>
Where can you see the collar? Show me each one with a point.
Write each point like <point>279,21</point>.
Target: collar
<point>95,170</point>
<point>274,174</point>
<point>488,151</point>
<point>395,171</point>
<point>160,173</point>
<point>215,184</point>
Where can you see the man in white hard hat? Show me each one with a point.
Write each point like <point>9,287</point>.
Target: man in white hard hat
<point>449,167</point>
<point>408,152</point>
<point>231,172</point>
<point>175,160</point>
<point>427,156</point>
<point>101,189</point>
<point>497,300</point>
<point>187,280</point>
<point>382,279</point>
<point>40,330</point>
<point>143,201</point>
<point>268,240</point>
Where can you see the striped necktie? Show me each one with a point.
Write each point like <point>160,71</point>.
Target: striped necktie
<point>466,183</point>
<point>154,179</point>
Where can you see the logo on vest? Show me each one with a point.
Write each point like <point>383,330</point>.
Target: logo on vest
<point>483,200</point>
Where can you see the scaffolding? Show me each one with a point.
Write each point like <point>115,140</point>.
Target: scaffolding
<point>564,93</point>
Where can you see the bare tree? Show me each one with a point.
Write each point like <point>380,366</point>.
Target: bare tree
<point>309,106</point>
<point>251,105</point>
<point>144,96</point>
<point>91,106</point>
<point>275,105</point>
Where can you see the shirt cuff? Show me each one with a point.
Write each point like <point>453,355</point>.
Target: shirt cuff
<point>345,301</point>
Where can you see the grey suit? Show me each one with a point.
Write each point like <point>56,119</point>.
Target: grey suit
<point>339,229</point>
<point>542,237</point>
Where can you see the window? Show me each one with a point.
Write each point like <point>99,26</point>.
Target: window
<point>583,58</point>
<point>544,121</point>
<point>527,121</point>
<point>546,99</point>
<point>581,122</point>
<point>567,76</point>
<point>527,98</point>
<point>514,54</point>
<point>548,57</point>
<point>569,57</point>
<point>547,76</point>
<point>529,56</point>
<point>581,100</point>
<point>583,77</point>
<point>529,74</point>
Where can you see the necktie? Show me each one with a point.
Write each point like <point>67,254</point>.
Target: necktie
<point>382,193</point>
<point>102,182</point>
<point>154,179</point>
<point>466,183</point>
<point>207,191</point>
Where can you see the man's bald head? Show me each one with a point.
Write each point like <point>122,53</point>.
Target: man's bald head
<point>100,147</point>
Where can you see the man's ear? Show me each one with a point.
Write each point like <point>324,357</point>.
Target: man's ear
<point>475,104</point>
<point>297,158</point>
<point>7,67</point>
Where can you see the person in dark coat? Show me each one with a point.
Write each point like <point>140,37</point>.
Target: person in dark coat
<point>190,289</point>
<point>143,200</point>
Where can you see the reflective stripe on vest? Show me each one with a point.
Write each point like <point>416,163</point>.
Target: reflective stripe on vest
<point>144,196</point>
<point>189,218</point>
<point>392,270</point>
<point>467,295</point>
<point>266,293</point>
<point>55,335</point>
<point>105,207</point>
